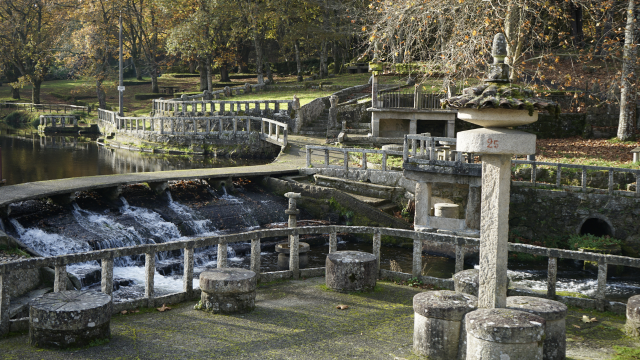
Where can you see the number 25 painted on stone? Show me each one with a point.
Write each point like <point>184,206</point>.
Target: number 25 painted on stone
<point>492,143</point>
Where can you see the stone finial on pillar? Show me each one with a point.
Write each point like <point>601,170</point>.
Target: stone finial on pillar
<point>499,71</point>
<point>292,211</point>
<point>296,103</point>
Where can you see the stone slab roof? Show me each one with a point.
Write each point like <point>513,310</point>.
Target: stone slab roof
<point>505,96</point>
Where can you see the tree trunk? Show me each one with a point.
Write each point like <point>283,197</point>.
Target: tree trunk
<point>334,51</point>
<point>35,92</point>
<point>154,79</point>
<point>323,60</point>
<point>258,44</point>
<point>576,24</point>
<point>15,93</point>
<point>269,74</point>
<point>298,62</point>
<point>192,67</point>
<point>243,64</point>
<point>202,68</point>
<point>138,69</point>
<point>209,75</point>
<point>628,93</point>
<point>102,97</point>
<point>513,33</point>
<point>224,73</point>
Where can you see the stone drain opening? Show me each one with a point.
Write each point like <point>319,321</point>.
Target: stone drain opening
<point>597,227</point>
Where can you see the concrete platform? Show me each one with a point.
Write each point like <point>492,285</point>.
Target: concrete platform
<point>297,320</point>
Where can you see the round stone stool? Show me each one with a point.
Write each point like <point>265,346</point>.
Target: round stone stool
<point>554,314</point>
<point>437,324</point>
<point>283,251</point>
<point>504,334</point>
<point>632,326</point>
<point>69,319</point>
<point>468,281</point>
<point>228,291</point>
<point>351,271</point>
<point>446,210</point>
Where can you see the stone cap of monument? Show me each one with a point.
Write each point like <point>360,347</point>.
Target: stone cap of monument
<point>444,304</point>
<point>505,326</point>
<point>497,92</point>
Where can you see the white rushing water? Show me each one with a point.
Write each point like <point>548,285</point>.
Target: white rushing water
<point>48,244</point>
<point>201,227</point>
<point>152,221</point>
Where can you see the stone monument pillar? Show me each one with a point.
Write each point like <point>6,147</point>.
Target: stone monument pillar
<point>294,240</point>
<point>496,105</point>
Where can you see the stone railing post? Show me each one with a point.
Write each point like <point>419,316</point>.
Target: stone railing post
<point>255,254</point>
<point>60,279</point>
<point>333,241</point>
<point>149,271</point>
<point>5,302</point>
<point>187,275</point>
<point>222,256</point>
<point>106,284</point>
<point>294,240</point>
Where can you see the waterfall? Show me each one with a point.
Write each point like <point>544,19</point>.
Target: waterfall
<point>200,227</point>
<point>248,218</point>
<point>111,233</point>
<point>152,221</point>
<point>48,244</point>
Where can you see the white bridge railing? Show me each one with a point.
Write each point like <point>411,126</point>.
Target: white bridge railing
<point>270,130</point>
<point>61,120</point>
<point>175,107</point>
<point>106,259</point>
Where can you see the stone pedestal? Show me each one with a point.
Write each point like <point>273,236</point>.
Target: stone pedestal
<point>228,291</point>
<point>632,326</point>
<point>554,313</point>
<point>283,250</point>
<point>468,281</point>
<point>438,323</point>
<point>351,271</point>
<point>69,319</point>
<point>504,334</point>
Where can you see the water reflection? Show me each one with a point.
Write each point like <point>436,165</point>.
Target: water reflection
<point>31,157</point>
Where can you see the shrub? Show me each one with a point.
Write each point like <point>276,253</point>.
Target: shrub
<point>589,241</point>
<point>18,119</point>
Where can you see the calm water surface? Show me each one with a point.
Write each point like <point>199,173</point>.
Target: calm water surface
<point>35,158</point>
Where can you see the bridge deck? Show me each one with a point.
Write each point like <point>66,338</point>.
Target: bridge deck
<point>41,189</point>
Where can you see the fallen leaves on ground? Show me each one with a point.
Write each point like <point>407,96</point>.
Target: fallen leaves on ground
<point>342,307</point>
<point>586,319</point>
<point>163,308</point>
<point>125,312</point>
<point>576,326</point>
<point>579,150</point>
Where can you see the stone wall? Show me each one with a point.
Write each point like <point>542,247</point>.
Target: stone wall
<point>309,112</point>
<point>239,145</point>
<point>541,214</point>
<point>354,114</point>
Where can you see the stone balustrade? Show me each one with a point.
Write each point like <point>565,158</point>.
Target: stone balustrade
<point>270,130</point>
<point>58,120</point>
<point>202,107</point>
<point>254,237</point>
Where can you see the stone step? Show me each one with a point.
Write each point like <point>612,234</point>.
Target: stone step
<point>357,131</point>
<point>377,202</point>
<point>361,188</point>
<point>388,208</point>
<point>313,133</point>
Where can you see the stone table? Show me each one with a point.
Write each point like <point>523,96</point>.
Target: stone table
<point>228,290</point>
<point>438,330</point>
<point>504,334</point>
<point>351,271</point>
<point>69,319</point>
<point>554,313</point>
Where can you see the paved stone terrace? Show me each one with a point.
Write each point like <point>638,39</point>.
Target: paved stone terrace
<point>293,320</point>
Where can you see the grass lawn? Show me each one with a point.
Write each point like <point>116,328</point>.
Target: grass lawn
<point>83,91</point>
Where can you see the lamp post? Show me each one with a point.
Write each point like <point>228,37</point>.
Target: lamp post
<point>121,83</point>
